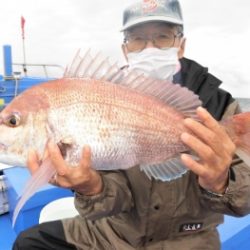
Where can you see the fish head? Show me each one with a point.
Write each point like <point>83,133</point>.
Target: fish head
<point>21,128</point>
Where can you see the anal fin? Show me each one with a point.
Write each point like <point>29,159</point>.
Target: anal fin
<point>167,171</point>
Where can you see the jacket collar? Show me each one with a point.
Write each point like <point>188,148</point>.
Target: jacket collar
<point>196,78</point>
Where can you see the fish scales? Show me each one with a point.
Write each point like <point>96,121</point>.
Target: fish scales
<point>115,122</point>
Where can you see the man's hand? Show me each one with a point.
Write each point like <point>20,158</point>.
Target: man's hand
<point>81,178</point>
<point>214,148</point>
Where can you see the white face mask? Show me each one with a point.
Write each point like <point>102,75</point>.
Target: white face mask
<point>156,63</point>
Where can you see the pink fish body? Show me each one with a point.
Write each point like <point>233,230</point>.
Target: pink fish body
<point>123,127</point>
<point>128,120</point>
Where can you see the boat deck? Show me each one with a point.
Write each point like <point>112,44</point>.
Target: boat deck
<point>16,178</point>
<point>7,233</point>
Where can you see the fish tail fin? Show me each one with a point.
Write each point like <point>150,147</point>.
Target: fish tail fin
<point>38,179</point>
<point>238,128</point>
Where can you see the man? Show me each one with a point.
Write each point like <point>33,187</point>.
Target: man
<point>125,209</point>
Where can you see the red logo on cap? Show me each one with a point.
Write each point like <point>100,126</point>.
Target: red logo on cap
<point>149,5</point>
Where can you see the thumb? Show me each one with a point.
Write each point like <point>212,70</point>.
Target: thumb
<point>57,158</point>
<point>33,161</point>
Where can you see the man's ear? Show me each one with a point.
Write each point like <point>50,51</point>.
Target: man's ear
<point>125,51</point>
<point>182,48</point>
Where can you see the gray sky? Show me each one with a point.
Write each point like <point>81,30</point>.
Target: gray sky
<point>217,32</point>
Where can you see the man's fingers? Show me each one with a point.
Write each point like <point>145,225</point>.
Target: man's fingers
<point>208,120</point>
<point>33,161</point>
<point>202,150</point>
<point>210,132</point>
<point>57,159</point>
<point>214,126</point>
<point>193,165</point>
<point>205,134</point>
<point>45,154</point>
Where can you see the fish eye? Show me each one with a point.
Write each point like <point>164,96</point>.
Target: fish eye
<point>13,120</point>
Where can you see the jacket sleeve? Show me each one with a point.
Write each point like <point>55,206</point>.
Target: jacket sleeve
<point>236,200</point>
<point>115,198</point>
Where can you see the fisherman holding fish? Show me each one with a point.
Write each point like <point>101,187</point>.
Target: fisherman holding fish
<point>169,205</point>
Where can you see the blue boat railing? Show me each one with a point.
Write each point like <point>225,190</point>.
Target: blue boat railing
<point>44,67</point>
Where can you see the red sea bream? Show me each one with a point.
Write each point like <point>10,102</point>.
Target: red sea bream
<point>126,119</point>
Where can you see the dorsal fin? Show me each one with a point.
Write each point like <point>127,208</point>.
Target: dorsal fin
<point>96,67</point>
<point>99,67</point>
